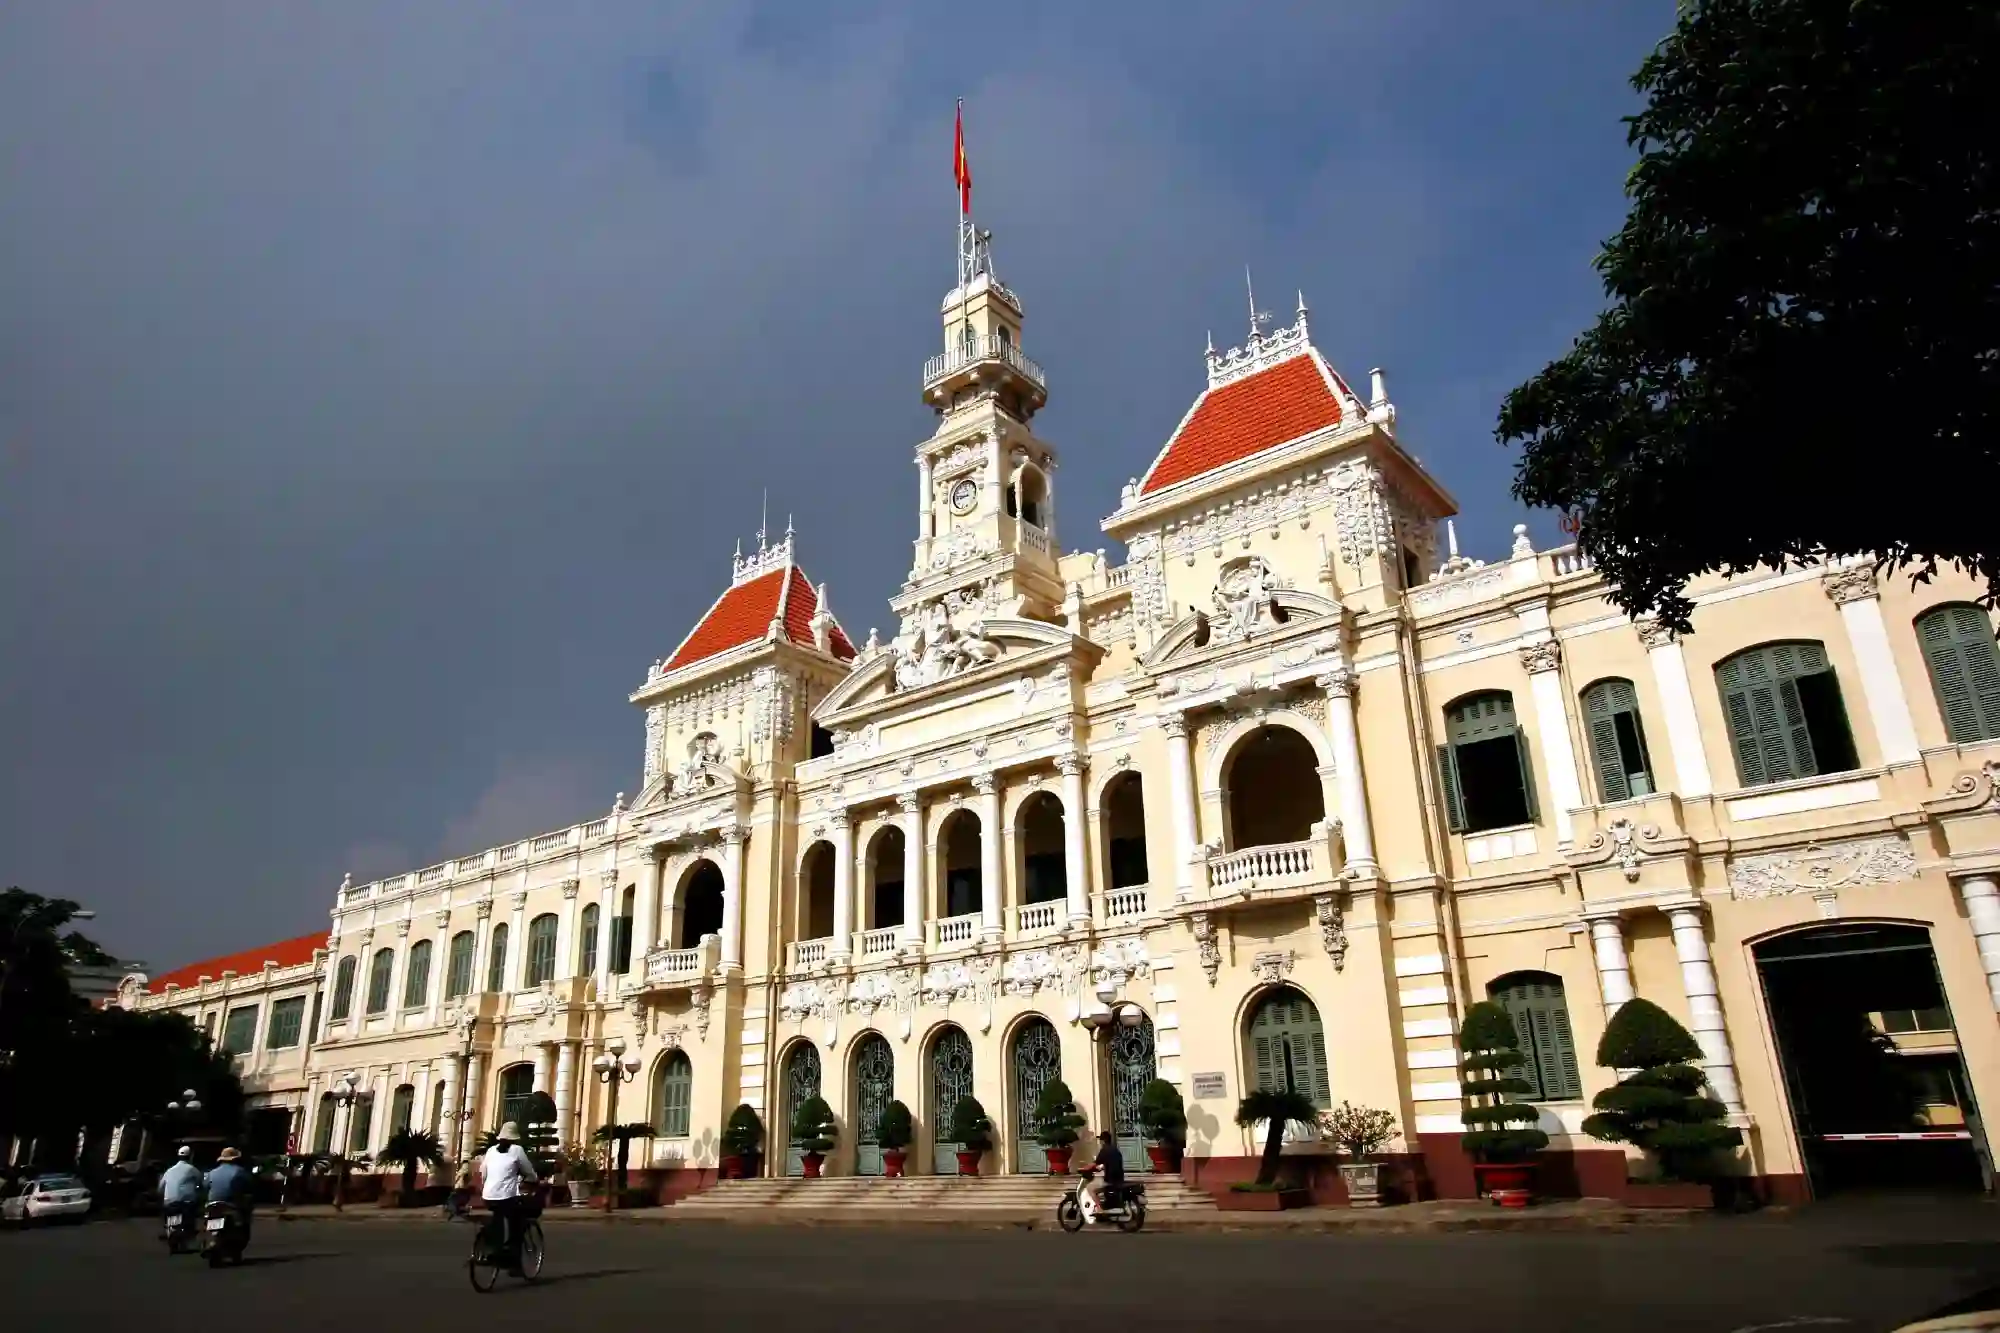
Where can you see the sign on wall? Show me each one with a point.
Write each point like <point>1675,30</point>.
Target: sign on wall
<point>1208,1087</point>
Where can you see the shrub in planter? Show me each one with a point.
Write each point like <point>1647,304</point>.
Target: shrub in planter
<point>1278,1109</point>
<point>580,1169</point>
<point>1163,1116</point>
<point>814,1131</point>
<point>1660,1107</point>
<point>1503,1136</point>
<point>538,1133</point>
<point>620,1137</point>
<point>741,1137</point>
<point>1056,1124</point>
<point>409,1149</point>
<point>1360,1132</point>
<point>972,1130</point>
<point>893,1131</point>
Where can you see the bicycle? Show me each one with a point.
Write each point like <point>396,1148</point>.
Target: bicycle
<point>489,1246</point>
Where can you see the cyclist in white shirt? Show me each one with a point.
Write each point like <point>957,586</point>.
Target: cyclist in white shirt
<point>503,1171</point>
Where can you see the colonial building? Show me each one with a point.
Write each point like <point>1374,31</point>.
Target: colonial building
<point>1291,780</point>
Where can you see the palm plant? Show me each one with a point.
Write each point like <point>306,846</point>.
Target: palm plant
<point>411,1148</point>
<point>1277,1108</point>
<point>622,1135</point>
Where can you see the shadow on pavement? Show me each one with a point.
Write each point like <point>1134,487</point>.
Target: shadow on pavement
<point>1979,1255</point>
<point>587,1275</point>
<point>259,1260</point>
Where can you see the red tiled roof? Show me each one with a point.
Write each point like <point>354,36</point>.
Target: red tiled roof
<point>1272,407</point>
<point>285,953</point>
<point>744,614</point>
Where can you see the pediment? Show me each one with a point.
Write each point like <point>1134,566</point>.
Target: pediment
<point>693,781</point>
<point>1282,613</point>
<point>930,666</point>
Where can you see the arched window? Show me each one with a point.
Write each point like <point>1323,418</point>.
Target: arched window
<point>1288,1047</point>
<point>885,879</point>
<point>1034,498</point>
<point>436,1120</point>
<point>1039,829</point>
<point>961,879</point>
<point>1534,1000</point>
<point>458,971</point>
<point>586,945</point>
<point>496,959</point>
<point>541,949</point>
<point>343,988</point>
<point>380,970</point>
<point>621,932</point>
<point>517,1084</point>
<point>1964,664</point>
<point>1483,765</point>
<point>323,1124</point>
<point>1274,792</point>
<point>701,903</point>
<point>675,1099</point>
<point>816,892</point>
<point>401,1107</point>
<point>1124,806</point>
<point>360,1121</point>
<point>1617,741</point>
<point>417,986</point>
<point>1786,718</point>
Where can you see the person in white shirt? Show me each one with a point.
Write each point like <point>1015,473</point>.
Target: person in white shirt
<point>503,1172</point>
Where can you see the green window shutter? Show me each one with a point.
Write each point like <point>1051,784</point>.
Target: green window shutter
<point>1570,1088</point>
<point>1267,1079</point>
<point>1319,1085</point>
<point>416,986</point>
<point>1527,775</point>
<point>1454,799</point>
<point>496,962</point>
<point>1796,737</point>
<point>1548,1064</point>
<point>676,1081</point>
<point>1603,702</point>
<point>1965,671</point>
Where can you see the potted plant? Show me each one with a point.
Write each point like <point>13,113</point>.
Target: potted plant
<point>741,1137</point>
<point>1502,1135</point>
<point>1273,1108</point>
<point>1360,1132</point>
<point>1056,1124</point>
<point>972,1132</point>
<point>1660,1107</point>
<point>1163,1115</point>
<point>581,1170</point>
<point>814,1131</point>
<point>620,1153</point>
<point>893,1131</point>
<point>409,1149</point>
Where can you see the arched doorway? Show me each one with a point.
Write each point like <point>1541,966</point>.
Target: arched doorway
<point>959,848</point>
<point>1870,1055</point>
<point>874,1087</point>
<point>885,879</point>
<point>1039,831</point>
<point>801,1085</point>
<point>701,903</point>
<point>950,1083</point>
<point>816,892</point>
<point>1286,1048</point>
<point>1274,791</point>
<point>1133,1066</point>
<point>517,1084</point>
<point>1124,806</point>
<point>1037,1062</point>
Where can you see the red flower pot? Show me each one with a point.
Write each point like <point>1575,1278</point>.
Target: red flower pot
<point>1058,1160</point>
<point>968,1163</point>
<point>1508,1184</point>
<point>810,1163</point>
<point>892,1162</point>
<point>731,1168</point>
<point>1160,1157</point>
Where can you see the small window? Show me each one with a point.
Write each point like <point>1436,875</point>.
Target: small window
<point>401,1107</point>
<point>496,960</point>
<point>287,1017</point>
<point>239,1032</point>
<point>1964,664</point>
<point>1617,741</point>
<point>541,949</point>
<point>458,975</point>
<point>380,970</point>
<point>1536,1003</point>
<point>1483,767</point>
<point>1900,1021</point>
<point>1288,1048</point>
<point>323,1124</point>
<point>1786,718</point>
<point>587,946</point>
<point>822,741</point>
<point>676,1095</point>
<point>360,1118</point>
<point>517,1085</point>
<point>417,986</point>
<point>1413,570</point>
<point>621,933</point>
<point>343,989</point>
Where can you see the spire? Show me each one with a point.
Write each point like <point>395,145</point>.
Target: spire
<point>1258,318</point>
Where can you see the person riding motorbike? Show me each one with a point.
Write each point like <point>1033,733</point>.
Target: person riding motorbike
<point>180,1187</point>
<point>1110,1164</point>
<point>228,1182</point>
<point>503,1171</point>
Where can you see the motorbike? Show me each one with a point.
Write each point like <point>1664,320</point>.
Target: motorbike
<point>177,1227</point>
<point>223,1234</point>
<point>1124,1205</point>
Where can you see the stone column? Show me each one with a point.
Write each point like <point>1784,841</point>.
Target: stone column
<point>1982,912</point>
<point>566,932</point>
<point>384,1084</point>
<point>1853,591</point>
<point>925,513</point>
<point>1670,678</point>
<point>1543,663</point>
<point>565,1093</point>
<point>440,966</point>
<point>1076,859</point>
<point>992,837</point>
<point>1705,1004</point>
<point>911,805</point>
<point>450,1079</point>
<point>545,1060</point>
<point>468,1100</point>
<point>517,943</point>
<point>1180,798</point>
<point>420,1102</point>
<point>735,840</point>
<point>399,975</point>
<point>1614,970</point>
<point>607,917</point>
<point>482,944</point>
<point>842,826</point>
<point>324,987</point>
<point>646,911</point>
<point>1356,832</point>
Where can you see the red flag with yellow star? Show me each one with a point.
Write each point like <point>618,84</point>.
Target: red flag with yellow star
<point>961,170</point>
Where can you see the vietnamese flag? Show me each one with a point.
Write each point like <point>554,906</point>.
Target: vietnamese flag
<point>961,170</point>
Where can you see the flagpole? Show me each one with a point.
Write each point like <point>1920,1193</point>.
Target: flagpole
<point>965,234</point>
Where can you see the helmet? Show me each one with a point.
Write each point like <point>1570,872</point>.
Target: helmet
<point>185,1152</point>
<point>510,1132</point>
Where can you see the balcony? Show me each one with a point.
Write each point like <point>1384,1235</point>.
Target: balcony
<point>877,943</point>
<point>1122,904</point>
<point>955,931</point>
<point>1284,865</point>
<point>671,969</point>
<point>988,348</point>
<point>1037,918</point>
<point>804,955</point>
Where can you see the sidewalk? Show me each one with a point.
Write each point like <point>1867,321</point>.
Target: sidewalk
<point>1441,1215</point>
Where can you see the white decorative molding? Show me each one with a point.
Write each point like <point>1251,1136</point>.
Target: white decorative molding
<point>1244,600</point>
<point>1273,965</point>
<point>656,744</point>
<point>1652,633</point>
<point>1854,584</point>
<point>1539,657</point>
<point>1203,926</point>
<point>1332,917</point>
<point>1618,840</point>
<point>1361,511</point>
<point>931,648</point>
<point>1816,869</point>
<point>1118,961</point>
<point>767,558</point>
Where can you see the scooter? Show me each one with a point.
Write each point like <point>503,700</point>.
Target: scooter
<point>1124,1205</point>
<point>177,1227</point>
<point>223,1234</point>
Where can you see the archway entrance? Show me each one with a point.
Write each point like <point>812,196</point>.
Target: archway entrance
<point>951,1082</point>
<point>1132,1067</point>
<point>1274,789</point>
<point>1037,1060</point>
<point>1871,1062</point>
<point>701,904</point>
<point>801,1086</point>
<point>874,1087</point>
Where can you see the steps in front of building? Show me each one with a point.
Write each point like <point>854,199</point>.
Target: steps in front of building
<point>982,1194</point>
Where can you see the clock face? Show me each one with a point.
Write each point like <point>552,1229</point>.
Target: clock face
<point>964,496</point>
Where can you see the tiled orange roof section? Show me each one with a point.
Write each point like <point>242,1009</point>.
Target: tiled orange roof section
<point>800,608</point>
<point>1270,408</point>
<point>743,615</point>
<point>285,953</point>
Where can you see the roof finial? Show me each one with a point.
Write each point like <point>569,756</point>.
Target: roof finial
<point>763,517</point>
<point>1451,538</point>
<point>1302,310</point>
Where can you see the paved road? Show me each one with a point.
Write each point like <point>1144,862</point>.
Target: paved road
<point>1824,1272</point>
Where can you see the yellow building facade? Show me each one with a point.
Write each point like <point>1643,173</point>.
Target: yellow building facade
<point>1296,780</point>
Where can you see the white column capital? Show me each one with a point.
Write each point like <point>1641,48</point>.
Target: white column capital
<point>735,835</point>
<point>520,900</point>
<point>986,784</point>
<point>570,888</point>
<point>1175,725</point>
<point>1537,658</point>
<point>1070,765</point>
<point>1981,895</point>
<point>1653,634</point>
<point>1341,682</point>
<point>909,802</point>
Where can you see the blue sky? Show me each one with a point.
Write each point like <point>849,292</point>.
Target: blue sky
<point>384,386</point>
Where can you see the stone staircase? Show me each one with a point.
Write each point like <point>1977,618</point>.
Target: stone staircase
<point>993,1196</point>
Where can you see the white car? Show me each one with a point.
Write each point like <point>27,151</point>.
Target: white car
<point>46,1198</point>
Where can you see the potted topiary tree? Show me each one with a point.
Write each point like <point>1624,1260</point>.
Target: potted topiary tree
<point>1163,1116</point>
<point>581,1171</point>
<point>1502,1136</point>
<point>893,1131</point>
<point>1360,1132</point>
<point>1660,1107</point>
<point>972,1132</point>
<point>1274,1109</point>
<point>814,1131</point>
<point>619,1153</point>
<point>409,1149</point>
<point>741,1137</point>
<point>1056,1124</point>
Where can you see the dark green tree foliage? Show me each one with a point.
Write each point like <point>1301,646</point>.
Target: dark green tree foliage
<point>813,1128</point>
<point>538,1133</point>
<point>1280,1109</point>
<point>1809,274</point>
<point>1660,1107</point>
<point>744,1133</point>
<point>1056,1118</point>
<point>622,1136</point>
<point>410,1149</point>
<point>1500,1129</point>
<point>1162,1112</point>
<point>970,1125</point>
<point>895,1128</point>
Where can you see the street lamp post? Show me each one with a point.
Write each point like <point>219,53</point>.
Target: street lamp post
<point>1103,1016</point>
<point>614,1068</point>
<point>187,1104</point>
<point>346,1092</point>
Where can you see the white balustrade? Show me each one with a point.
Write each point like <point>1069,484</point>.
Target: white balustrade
<point>803,954</point>
<point>512,852</point>
<point>596,827</point>
<point>1567,560</point>
<point>872,943</point>
<point>470,865</point>
<point>955,930</point>
<point>1033,537</point>
<point>1265,867</point>
<point>672,964</point>
<point>1119,904</point>
<point>1117,576</point>
<point>984,348</point>
<point>433,875</point>
<point>548,842</point>
<point>1032,917</point>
